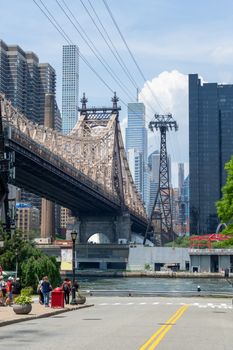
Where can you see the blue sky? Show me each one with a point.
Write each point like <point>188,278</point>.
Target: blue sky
<point>164,35</point>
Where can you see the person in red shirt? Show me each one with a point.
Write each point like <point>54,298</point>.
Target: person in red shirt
<point>9,290</point>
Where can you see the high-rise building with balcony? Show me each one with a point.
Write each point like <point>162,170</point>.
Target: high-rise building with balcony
<point>210,147</point>
<point>70,87</point>
<point>25,82</point>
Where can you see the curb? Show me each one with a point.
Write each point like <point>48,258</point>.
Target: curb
<point>48,314</point>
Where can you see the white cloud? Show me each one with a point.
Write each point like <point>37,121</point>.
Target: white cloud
<point>222,54</point>
<point>171,90</point>
<point>123,125</point>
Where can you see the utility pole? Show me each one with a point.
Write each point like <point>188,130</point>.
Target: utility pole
<point>163,123</point>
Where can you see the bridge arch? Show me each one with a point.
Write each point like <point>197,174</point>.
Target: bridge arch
<point>98,238</point>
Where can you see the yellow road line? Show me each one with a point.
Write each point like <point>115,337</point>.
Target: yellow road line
<point>155,339</point>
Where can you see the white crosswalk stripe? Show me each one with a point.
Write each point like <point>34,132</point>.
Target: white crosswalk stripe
<point>199,305</point>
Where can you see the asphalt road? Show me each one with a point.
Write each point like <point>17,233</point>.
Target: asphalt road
<point>130,323</point>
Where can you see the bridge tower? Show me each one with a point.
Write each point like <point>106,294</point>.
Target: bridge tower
<point>163,123</point>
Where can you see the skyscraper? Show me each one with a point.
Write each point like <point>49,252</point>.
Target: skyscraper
<point>210,147</point>
<point>180,176</point>
<point>153,164</point>
<point>136,146</point>
<point>70,84</point>
<point>25,81</point>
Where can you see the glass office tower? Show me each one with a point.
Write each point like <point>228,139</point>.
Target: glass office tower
<point>210,147</point>
<point>136,147</point>
<point>70,85</point>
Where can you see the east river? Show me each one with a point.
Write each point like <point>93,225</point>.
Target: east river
<point>145,284</point>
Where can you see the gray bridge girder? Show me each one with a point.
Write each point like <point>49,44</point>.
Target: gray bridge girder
<point>39,176</point>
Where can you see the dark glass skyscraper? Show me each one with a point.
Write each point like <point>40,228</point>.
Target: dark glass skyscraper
<point>210,147</point>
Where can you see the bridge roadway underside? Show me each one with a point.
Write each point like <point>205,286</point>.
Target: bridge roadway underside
<point>37,175</point>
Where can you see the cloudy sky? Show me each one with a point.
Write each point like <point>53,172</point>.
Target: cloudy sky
<point>168,38</point>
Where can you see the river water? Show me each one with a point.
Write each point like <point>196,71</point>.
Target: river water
<point>143,284</point>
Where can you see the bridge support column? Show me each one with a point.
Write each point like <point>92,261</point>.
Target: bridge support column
<point>111,227</point>
<point>123,227</point>
<point>47,219</point>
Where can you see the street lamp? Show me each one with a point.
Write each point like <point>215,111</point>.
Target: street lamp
<point>73,236</point>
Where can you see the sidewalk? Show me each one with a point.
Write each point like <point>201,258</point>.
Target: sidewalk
<point>7,315</point>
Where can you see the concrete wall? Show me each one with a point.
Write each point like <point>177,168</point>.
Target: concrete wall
<point>203,262</point>
<point>114,227</point>
<point>224,262</point>
<point>140,255</point>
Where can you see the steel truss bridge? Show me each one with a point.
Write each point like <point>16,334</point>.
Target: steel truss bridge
<point>86,171</point>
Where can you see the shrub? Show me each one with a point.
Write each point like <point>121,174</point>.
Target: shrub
<point>27,291</point>
<point>147,267</point>
<point>22,300</point>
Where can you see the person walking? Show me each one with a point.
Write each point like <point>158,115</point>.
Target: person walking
<point>16,287</point>
<point>66,287</point>
<point>3,287</point>
<point>46,289</point>
<point>40,293</point>
<point>9,291</point>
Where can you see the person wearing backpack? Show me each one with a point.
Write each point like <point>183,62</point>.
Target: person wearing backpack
<point>3,289</point>
<point>66,287</point>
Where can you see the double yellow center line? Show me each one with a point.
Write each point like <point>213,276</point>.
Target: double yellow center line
<point>156,338</point>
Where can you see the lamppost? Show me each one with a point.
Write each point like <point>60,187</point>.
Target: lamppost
<point>16,262</point>
<point>73,236</point>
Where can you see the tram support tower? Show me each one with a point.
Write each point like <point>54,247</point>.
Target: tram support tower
<point>163,123</point>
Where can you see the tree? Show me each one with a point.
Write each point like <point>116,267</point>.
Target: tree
<point>225,204</point>
<point>33,264</point>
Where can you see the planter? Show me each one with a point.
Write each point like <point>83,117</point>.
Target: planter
<point>22,309</point>
<point>81,300</point>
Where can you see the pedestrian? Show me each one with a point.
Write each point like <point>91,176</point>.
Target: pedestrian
<point>40,293</point>
<point>3,288</point>
<point>16,287</point>
<point>66,287</point>
<point>76,285</point>
<point>9,291</point>
<point>46,289</point>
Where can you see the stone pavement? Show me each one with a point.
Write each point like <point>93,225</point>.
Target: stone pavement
<point>7,315</point>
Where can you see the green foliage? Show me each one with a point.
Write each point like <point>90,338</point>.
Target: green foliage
<point>225,204</point>
<point>228,244</point>
<point>40,266</point>
<point>27,291</point>
<point>22,300</point>
<point>180,242</point>
<point>147,267</point>
<point>33,264</point>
